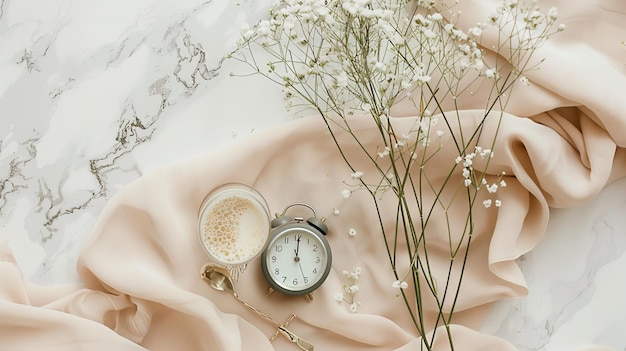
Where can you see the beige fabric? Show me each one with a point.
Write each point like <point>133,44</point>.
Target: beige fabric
<point>560,144</point>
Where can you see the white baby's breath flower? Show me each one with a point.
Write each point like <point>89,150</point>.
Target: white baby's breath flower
<point>467,182</point>
<point>353,289</point>
<point>502,183</point>
<point>467,162</point>
<point>422,79</point>
<point>475,32</point>
<point>336,211</point>
<point>524,80</point>
<point>466,173</point>
<point>352,232</point>
<point>561,27</point>
<point>357,175</point>
<point>263,28</point>
<point>553,13</point>
<point>487,203</point>
<point>399,284</point>
<point>339,297</point>
<point>350,289</point>
<point>436,17</point>
<point>385,152</point>
<point>246,32</point>
<point>354,307</point>
<point>492,188</point>
<point>346,193</point>
<point>498,203</point>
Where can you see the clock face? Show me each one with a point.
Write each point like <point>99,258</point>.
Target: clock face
<point>297,260</point>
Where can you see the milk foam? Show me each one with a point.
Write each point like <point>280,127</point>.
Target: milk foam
<point>234,229</point>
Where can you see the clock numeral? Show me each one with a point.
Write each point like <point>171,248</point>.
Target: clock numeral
<point>286,240</point>
<point>314,248</point>
<point>273,258</point>
<point>276,271</point>
<point>279,248</point>
<point>295,281</point>
<point>306,280</point>
<point>284,278</point>
<point>317,260</point>
<point>315,270</point>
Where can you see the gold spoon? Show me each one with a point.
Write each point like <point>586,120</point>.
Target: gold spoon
<point>219,279</point>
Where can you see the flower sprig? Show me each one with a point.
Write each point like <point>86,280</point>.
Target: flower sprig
<point>352,59</point>
<point>350,290</point>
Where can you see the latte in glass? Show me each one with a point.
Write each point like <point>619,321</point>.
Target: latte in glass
<point>234,224</point>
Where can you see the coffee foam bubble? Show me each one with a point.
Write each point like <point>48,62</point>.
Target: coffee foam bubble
<point>234,229</point>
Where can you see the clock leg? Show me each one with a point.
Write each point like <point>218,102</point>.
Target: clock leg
<point>309,297</point>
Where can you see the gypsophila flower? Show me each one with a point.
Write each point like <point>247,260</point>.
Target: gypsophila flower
<point>436,17</point>
<point>385,152</point>
<point>487,203</point>
<point>492,188</point>
<point>357,175</point>
<point>336,211</point>
<point>502,184</point>
<point>346,193</point>
<point>246,31</point>
<point>475,32</point>
<point>352,232</point>
<point>353,289</point>
<point>354,307</point>
<point>339,297</point>
<point>350,290</point>
<point>498,203</point>
<point>466,173</point>
<point>399,285</point>
<point>553,13</point>
<point>524,80</point>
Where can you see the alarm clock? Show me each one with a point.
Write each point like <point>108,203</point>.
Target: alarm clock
<point>297,258</point>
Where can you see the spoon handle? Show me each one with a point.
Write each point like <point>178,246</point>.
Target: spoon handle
<point>304,345</point>
<point>252,308</point>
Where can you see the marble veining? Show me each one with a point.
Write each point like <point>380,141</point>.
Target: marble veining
<point>95,94</point>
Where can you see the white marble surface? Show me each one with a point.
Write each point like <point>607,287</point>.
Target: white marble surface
<point>94,94</point>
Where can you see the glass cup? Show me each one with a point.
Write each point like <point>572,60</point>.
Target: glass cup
<point>233,226</point>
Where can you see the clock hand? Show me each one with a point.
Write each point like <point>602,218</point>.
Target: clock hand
<point>297,249</point>
<point>301,270</point>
